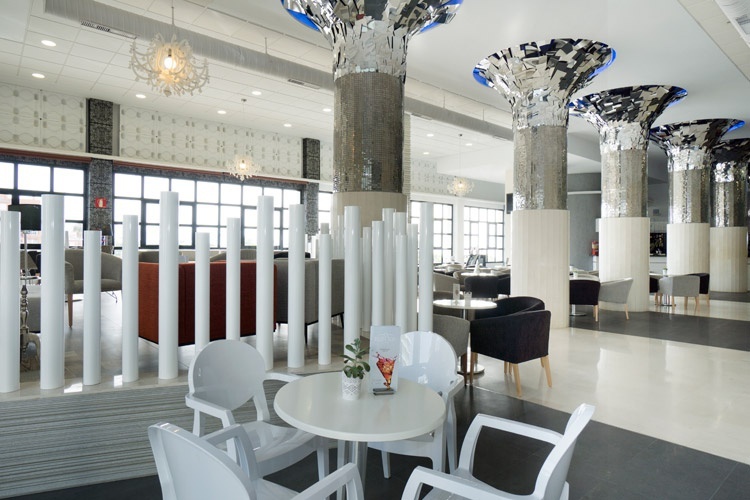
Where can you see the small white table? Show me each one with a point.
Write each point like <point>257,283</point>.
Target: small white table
<point>314,404</point>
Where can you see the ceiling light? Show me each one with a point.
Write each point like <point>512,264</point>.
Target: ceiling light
<point>430,135</point>
<point>49,43</point>
<point>460,187</point>
<point>426,153</point>
<point>37,75</point>
<point>287,125</point>
<point>222,112</point>
<point>169,66</point>
<point>256,92</point>
<point>326,110</point>
<point>469,144</point>
<point>141,96</point>
<point>242,167</point>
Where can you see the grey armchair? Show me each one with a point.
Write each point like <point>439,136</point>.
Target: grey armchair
<point>681,286</point>
<point>443,283</point>
<point>456,332</point>
<point>616,292</point>
<point>111,275</point>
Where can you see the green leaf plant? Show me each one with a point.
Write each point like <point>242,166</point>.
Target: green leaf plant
<point>355,365</point>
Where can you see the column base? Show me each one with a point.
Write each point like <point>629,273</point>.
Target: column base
<point>623,253</point>
<point>687,248</point>
<point>728,260</point>
<point>370,203</point>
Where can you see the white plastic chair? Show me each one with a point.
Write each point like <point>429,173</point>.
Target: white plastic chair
<point>227,374</point>
<point>192,468</point>
<point>428,358</point>
<point>551,482</point>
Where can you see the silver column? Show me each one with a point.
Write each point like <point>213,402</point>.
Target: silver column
<point>729,183</point>
<point>623,117</point>
<point>369,40</point>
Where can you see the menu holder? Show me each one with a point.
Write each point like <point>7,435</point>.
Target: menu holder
<point>385,352</point>
<point>456,292</point>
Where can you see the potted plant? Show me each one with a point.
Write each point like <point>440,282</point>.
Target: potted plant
<point>355,367</point>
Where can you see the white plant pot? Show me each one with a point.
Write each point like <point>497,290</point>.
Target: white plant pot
<point>350,387</point>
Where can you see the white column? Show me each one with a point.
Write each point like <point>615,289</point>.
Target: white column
<point>296,298</point>
<point>52,370</point>
<point>92,307</point>
<point>389,265</point>
<point>687,248</point>
<point>623,253</point>
<point>401,282</point>
<point>399,223</point>
<point>411,271</point>
<point>366,278</point>
<point>168,285</point>
<point>10,302</point>
<point>378,275</point>
<point>129,298</point>
<point>728,263</point>
<point>426,246</point>
<point>264,284</point>
<point>324,299</point>
<point>233,278</point>
<point>202,291</point>
<point>352,274</point>
<point>541,260</point>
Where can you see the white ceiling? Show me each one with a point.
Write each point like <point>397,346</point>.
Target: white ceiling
<point>660,42</point>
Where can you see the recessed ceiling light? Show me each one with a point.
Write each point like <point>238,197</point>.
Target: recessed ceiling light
<point>222,112</point>
<point>256,92</point>
<point>140,96</point>
<point>430,135</point>
<point>426,153</point>
<point>49,43</point>
<point>287,125</point>
<point>469,144</point>
<point>37,75</point>
<point>326,110</point>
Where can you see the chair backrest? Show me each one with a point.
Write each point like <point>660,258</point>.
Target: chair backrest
<point>511,305</point>
<point>584,291</point>
<point>482,287</point>
<point>75,257</point>
<point>680,286</point>
<point>229,373</point>
<point>705,280</point>
<point>554,471</point>
<point>428,358</point>
<point>191,468</point>
<point>443,282</point>
<point>616,291</point>
<point>445,311</point>
<point>503,284</point>
<point>454,330</point>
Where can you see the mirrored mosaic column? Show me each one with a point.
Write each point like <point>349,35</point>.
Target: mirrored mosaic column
<point>369,40</point>
<point>538,80</point>
<point>623,117</point>
<point>728,233</point>
<point>688,146</point>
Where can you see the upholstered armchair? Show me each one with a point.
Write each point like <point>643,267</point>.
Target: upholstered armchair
<point>585,292</point>
<point>511,305</point>
<point>704,284</point>
<point>616,292</point>
<point>482,287</point>
<point>456,332</point>
<point>514,338</point>
<point>443,282</point>
<point>111,279</point>
<point>503,284</point>
<point>681,286</point>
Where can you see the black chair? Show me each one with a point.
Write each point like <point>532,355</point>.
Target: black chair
<point>511,305</point>
<point>482,287</point>
<point>503,284</point>
<point>704,284</point>
<point>514,338</point>
<point>585,292</point>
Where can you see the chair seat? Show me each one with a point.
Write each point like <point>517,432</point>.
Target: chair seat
<point>272,443</point>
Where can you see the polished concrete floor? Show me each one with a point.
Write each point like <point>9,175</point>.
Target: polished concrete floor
<point>670,391</point>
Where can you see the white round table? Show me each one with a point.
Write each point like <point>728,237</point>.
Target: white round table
<point>314,404</point>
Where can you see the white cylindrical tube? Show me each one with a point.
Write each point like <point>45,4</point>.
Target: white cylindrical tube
<point>324,300</point>
<point>296,298</point>
<point>389,265</point>
<point>10,302</point>
<point>340,238</point>
<point>325,228</point>
<point>426,245</point>
<point>352,274</point>
<point>233,279</point>
<point>202,291</point>
<point>399,223</point>
<point>52,370</point>
<point>401,280</point>
<point>366,278</point>
<point>168,284</point>
<point>129,298</point>
<point>66,242</point>
<point>92,307</point>
<point>378,275</point>
<point>264,292</point>
<point>411,266</point>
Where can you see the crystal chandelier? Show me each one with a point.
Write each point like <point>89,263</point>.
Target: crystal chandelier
<point>460,186</point>
<point>242,167</point>
<point>169,66</point>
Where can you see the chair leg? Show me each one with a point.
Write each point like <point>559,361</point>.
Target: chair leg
<point>386,459</point>
<point>708,299</point>
<point>472,362</point>
<point>686,304</point>
<point>627,316</point>
<point>70,310</point>
<point>506,367</point>
<point>323,458</point>
<point>545,364</point>
<point>697,303</point>
<point>518,379</point>
<point>464,368</point>
<point>596,313</point>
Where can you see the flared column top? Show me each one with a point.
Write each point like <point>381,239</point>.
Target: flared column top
<point>371,35</point>
<point>623,116</point>
<point>732,151</point>
<point>689,144</point>
<point>538,78</point>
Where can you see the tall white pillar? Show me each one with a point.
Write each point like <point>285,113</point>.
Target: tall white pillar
<point>623,253</point>
<point>378,275</point>
<point>233,278</point>
<point>264,284</point>
<point>687,248</point>
<point>52,370</point>
<point>389,263</point>
<point>426,246</point>
<point>352,274</point>
<point>92,307</point>
<point>412,267</point>
<point>296,299</point>
<point>366,278</point>
<point>728,259</point>
<point>324,300</point>
<point>129,298</point>
<point>10,302</point>
<point>202,291</point>
<point>401,283</point>
<point>168,284</point>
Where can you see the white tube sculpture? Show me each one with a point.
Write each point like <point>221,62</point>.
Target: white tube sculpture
<point>129,298</point>
<point>366,278</point>
<point>352,274</point>
<point>168,284</point>
<point>324,298</point>
<point>10,302</point>
<point>296,288</point>
<point>264,281</point>
<point>401,307</point>
<point>92,307</point>
<point>202,291</point>
<point>411,266</point>
<point>233,279</point>
<point>389,263</point>
<point>378,275</point>
<point>52,370</point>
<point>425,267</point>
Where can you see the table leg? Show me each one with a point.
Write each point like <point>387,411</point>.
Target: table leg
<point>359,456</point>
<point>573,311</point>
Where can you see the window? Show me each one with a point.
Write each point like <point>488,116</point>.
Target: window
<point>25,183</point>
<point>205,205</point>
<point>442,229</point>
<point>325,199</point>
<point>483,233</point>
